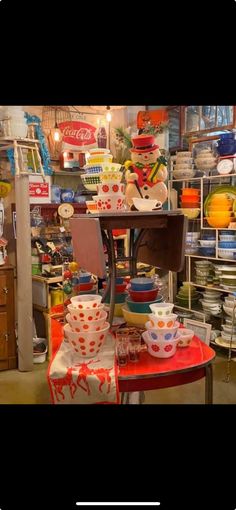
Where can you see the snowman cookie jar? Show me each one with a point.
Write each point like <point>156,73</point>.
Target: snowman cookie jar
<point>147,171</point>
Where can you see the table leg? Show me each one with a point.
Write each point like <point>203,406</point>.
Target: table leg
<point>209,384</point>
<point>112,272</point>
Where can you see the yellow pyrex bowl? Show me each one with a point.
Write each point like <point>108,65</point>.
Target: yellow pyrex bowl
<point>134,318</point>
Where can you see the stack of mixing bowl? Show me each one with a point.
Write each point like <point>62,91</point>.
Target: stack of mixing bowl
<point>184,167</point>
<point>120,295</point>
<point>182,298</point>
<point>142,294</point>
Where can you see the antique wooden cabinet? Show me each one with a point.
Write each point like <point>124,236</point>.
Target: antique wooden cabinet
<point>8,352</point>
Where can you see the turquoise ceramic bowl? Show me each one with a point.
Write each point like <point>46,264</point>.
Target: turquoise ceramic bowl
<point>141,307</point>
<point>119,298</point>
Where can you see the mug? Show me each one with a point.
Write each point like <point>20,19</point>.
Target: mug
<point>67,195</point>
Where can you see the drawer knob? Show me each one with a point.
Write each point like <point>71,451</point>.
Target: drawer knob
<point>5,290</point>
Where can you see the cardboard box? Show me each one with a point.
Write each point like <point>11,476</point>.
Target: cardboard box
<point>40,190</point>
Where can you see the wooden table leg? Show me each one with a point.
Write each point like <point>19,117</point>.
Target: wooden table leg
<point>209,384</point>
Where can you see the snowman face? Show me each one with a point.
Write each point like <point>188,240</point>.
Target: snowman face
<point>145,157</point>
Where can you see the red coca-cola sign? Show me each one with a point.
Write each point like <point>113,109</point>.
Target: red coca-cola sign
<point>78,133</point>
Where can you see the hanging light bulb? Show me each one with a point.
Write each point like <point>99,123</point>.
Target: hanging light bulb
<point>56,132</point>
<point>108,115</point>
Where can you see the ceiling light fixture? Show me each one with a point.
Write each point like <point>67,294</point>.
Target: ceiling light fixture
<point>108,115</point>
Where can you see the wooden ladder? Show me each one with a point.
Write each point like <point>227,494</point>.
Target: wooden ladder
<point>21,147</point>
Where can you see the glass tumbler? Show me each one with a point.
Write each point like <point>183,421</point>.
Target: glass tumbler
<point>134,347</point>
<point>122,352</point>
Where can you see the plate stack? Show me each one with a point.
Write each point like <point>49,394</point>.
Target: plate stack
<point>142,294</point>
<point>228,335</point>
<point>184,166</point>
<point>86,329</point>
<point>228,277</point>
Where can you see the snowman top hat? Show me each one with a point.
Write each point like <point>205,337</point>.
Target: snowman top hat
<point>144,143</point>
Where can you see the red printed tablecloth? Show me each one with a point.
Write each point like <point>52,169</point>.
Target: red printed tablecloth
<point>73,380</point>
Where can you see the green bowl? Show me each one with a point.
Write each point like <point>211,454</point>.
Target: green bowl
<point>141,307</point>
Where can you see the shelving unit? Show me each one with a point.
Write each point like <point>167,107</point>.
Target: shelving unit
<point>199,224</point>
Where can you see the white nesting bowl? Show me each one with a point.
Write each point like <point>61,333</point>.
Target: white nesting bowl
<point>183,174</point>
<point>228,310</point>
<point>92,325</point>
<point>226,253</point>
<point>110,202</point>
<point>86,301</point>
<point>144,204</point>
<point>91,314</point>
<point>160,349</point>
<point>226,238</point>
<point>184,154</point>
<point>183,166</point>
<point>186,336</point>
<point>228,329</point>
<point>86,344</point>
<point>228,337</point>
<point>230,302</point>
<point>162,309</point>
<point>206,243</point>
<point>162,322</point>
<point>162,334</point>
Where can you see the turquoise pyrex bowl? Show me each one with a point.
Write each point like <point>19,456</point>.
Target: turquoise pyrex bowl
<point>119,298</point>
<point>141,307</point>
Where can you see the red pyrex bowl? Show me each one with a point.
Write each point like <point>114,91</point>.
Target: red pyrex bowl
<point>143,295</point>
<point>120,287</point>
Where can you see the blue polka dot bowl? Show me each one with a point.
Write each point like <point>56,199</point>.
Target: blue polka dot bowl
<point>159,348</point>
<point>162,334</point>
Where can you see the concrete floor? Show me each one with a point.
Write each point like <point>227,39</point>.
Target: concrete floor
<point>31,387</point>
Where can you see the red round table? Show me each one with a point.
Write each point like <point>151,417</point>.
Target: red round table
<point>188,365</point>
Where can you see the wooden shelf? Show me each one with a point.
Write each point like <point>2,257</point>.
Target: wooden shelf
<point>76,205</point>
<point>77,173</point>
<point>210,258</point>
<point>209,287</point>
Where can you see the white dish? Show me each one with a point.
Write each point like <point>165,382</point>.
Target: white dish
<point>227,336</point>
<point>184,154</point>
<point>143,204</point>
<point>228,311</point>
<point>226,253</point>
<point>207,244</point>
<point>223,343</point>
<point>225,166</point>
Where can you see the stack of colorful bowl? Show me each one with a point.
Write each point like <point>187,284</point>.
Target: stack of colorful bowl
<point>86,283</point>
<point>142,294</point>
<point>182,298</point>
<point>190,202</point>
<point>227,245</point>
<point>163,335</point>
<point>94,167</point>
<point>87,328</point>
<point>110,196</point>
<point>120,296</point>
<point>219,210</point>
<point>208,243</point>
<point>229,328</point>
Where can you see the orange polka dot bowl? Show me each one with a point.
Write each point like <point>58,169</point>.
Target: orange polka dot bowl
<point>86,301</point>
<point>91,314</point>
<point>161,334</point>
<point>93,325</point>
<point>160,349</point>
<point>167,321</point>
<point>86,344</point>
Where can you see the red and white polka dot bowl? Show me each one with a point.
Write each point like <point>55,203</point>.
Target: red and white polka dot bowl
<point>95,325</point>
<point>86,344</point>
<point>86,301</point>
<point>92,314</point>
<point>160,349</point>
<point>110,188</point>
<point>110,202</point>
<point>166,321</point>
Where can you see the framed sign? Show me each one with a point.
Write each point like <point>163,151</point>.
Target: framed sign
<point>201,329</point>
<point>84,132</point>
